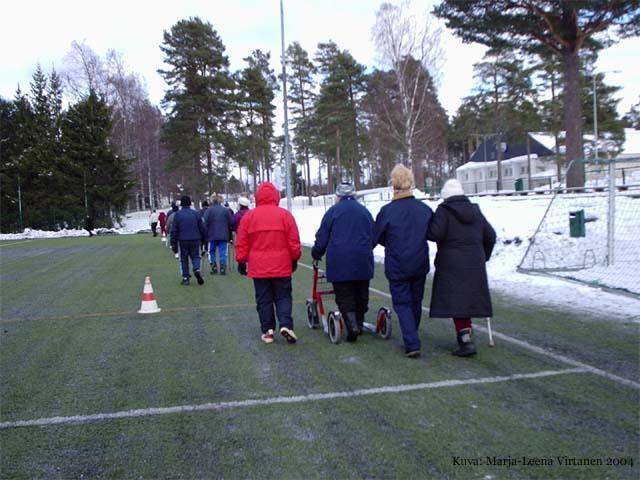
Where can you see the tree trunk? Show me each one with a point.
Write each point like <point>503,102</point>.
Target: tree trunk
<point>306,159</point>
<point>209,170</point>
<point>573,118</point>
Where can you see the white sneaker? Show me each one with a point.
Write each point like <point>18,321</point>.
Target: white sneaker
<point>267,337</point>
<point>288,334</point>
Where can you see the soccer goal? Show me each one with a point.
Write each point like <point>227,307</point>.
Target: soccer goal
<point>593,236</point>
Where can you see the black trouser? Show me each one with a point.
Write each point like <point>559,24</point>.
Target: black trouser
<point>270,293</point>
<point>154,225</point>
<point>352,296</point>
<point>189,249</point>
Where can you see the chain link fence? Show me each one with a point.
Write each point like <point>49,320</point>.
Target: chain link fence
<point>593,236</point>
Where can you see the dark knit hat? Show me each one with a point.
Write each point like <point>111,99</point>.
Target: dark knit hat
<point>185,201</point>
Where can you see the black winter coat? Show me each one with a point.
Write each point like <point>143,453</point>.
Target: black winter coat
<point>465,241</point>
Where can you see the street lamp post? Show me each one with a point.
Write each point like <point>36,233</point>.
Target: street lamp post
<point>595,119</point>
<point>287,159</point>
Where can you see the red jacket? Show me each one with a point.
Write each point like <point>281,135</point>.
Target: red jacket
<point>268,238</point>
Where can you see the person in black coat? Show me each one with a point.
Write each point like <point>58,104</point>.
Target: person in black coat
<point>187,229</point>
<point>401,227</point>
<point>465,241</point>
<point>346,235</point>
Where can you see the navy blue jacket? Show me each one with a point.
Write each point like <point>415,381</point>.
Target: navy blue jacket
<point>187,225</point>
<point>346,234</point>
<point>401,227</point>
<point>218,221</point>
<point>465,241</point>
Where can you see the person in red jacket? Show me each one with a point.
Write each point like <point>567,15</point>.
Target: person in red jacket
<point>269,242</point>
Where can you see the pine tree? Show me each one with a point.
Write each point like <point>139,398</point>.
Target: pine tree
<point>198,100</point>
<point>335,117</point>
<point>563,28</point>
<point>97,180</point>
<point>301,97</point>
<point>632,118</point>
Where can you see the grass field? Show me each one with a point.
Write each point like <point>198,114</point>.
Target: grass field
<point>91,389</point>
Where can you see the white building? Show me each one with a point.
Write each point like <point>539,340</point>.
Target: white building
<point>480,174</point>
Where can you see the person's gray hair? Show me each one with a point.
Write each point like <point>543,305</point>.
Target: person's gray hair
<point>345,189</point>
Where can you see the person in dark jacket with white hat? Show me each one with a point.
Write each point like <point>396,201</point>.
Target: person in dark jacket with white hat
<point>465,241</point>
<point>401,227</point>
<point>346,235</point>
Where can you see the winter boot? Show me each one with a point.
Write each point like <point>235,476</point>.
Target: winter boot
<point>223,269</point>
<point>360,319</point>
<point>466,347</point>
<point>198,277</point>
<point>351,322</point>
<point>185,281</point>
<point>214,269</point>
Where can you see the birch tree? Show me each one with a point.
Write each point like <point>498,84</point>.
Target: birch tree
<point>401,37</point>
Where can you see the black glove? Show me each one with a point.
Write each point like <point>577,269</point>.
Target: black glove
<point>242,268</point>
<point>294,265</point>
<point>315,254</point>
<point>174,249</point>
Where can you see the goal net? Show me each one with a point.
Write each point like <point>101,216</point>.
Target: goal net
<point>593,236</point>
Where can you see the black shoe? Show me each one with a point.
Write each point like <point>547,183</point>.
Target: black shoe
<point>198,277</point>
<point>351,323</point>
<point>466,347</point>
<point>412,353</point>
<point>223,269</point>
<point>185,281</point>
<point>214,269</point>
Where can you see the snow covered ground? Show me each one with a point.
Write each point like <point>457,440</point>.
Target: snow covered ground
<point>515,220</point>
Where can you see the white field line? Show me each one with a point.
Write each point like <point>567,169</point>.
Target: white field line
<point>148,412</point>
<point>13,243</point>
<point>536,349</point>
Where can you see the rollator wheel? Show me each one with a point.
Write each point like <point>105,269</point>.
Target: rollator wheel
<point>312,314</point>
<point>335,327</point>
<point>383,323</point>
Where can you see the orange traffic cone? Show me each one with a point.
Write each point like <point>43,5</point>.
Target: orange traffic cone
<point>149,304</point>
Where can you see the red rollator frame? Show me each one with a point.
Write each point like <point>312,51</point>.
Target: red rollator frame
<point>333,325</point>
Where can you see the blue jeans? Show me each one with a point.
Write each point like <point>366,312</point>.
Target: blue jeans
<point>189,249</point>
<point>221,245</point>
<point>270,293</point>
<point>406,296</point>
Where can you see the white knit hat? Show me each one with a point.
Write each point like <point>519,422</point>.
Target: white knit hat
<point>451,188</point>
<point>244,201</point>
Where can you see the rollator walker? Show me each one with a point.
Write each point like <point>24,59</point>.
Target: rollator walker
<point>334,325</point>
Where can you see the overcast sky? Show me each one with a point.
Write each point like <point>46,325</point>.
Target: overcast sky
<point>42,31</point>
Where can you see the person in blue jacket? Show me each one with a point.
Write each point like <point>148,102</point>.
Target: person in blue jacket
<point>346,235</point>
<point>218,221</point>
<point>187,230</point>
<point>401,227</point>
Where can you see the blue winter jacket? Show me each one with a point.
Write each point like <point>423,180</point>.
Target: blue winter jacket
<point>401,227</point>
<point>187,225</point>
<point>346,235</point>
<point>218,221</point>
